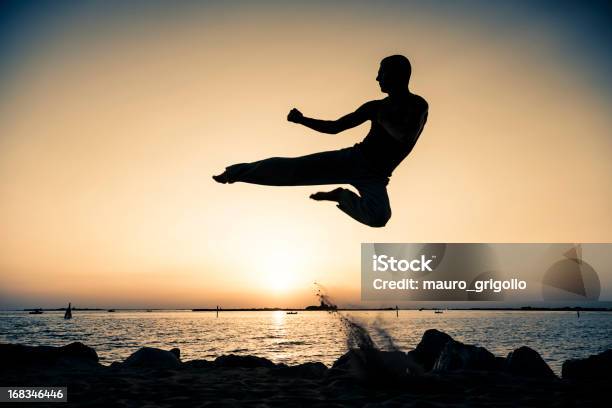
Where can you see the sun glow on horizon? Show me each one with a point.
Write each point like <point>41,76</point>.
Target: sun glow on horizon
<point>280,271</point>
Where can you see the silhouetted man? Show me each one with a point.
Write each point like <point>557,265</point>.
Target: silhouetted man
<point>397,122</point>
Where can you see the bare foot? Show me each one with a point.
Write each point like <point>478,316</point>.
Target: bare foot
<point>221,178</point>
<point>333,195</point>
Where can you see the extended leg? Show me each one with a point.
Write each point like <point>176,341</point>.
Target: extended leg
<point>371,207</point>
<point>333,167</point>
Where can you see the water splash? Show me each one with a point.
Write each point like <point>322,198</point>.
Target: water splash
<point>365,361</point>
<point>388,342</point>
<point>357,335</point>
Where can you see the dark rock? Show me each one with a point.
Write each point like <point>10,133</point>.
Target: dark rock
<point>358,364</point>
<point>429,348</point>
<point>398,363</point>
<point>198,364</point>
<point>374,365</point>
<point>306,370</point>
<point>72,355</point>
<point>116,364</point>
<point>352,359</point>
<point>595,367</point>
<point>79,351</point>
<point>233,360</point>
<point>458,356</point>
<point>500,363</point>
<point>149,357</point>
<point>526,362</point>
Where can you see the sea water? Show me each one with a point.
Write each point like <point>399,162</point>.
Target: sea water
<point>308,335</point>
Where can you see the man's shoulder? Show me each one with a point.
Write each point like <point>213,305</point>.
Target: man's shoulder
<point>420,101</point>
<point>374,103</point>
<point>371,107</point>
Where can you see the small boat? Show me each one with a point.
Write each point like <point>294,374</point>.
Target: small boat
<point>439,311</point>
<point>149,310</point>
<point>292,312</point>
<point>36,311</point>
<point>68,314</point>
<point>111,310</point>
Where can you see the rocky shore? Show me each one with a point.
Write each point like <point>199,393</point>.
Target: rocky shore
<point>439,372</point>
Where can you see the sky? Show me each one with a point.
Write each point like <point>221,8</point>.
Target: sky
<point>114,115</point>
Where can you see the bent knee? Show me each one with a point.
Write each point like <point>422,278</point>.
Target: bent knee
<point>380,218</point>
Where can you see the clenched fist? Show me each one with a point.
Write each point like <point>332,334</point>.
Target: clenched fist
<point>295,116</point>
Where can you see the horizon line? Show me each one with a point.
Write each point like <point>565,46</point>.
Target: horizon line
<point>306,309</point>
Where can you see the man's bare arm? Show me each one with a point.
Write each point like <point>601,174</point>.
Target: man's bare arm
<point>349,121</point>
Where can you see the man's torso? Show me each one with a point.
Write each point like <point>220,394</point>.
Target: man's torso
<point>396,126</point>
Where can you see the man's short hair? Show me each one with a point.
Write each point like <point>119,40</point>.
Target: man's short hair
<point>398,66</point>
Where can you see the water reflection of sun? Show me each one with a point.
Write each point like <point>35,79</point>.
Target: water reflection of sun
<point>279,319</point>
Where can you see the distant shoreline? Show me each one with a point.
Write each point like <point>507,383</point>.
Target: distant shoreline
<point>274,309</point>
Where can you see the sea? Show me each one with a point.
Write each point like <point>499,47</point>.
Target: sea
<point>308,335</point>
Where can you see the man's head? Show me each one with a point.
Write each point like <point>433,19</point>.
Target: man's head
<point>394,73</point>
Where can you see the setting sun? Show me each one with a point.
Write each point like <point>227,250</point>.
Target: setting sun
<point>280,271</point>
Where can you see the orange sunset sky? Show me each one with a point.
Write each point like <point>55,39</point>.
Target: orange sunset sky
<point>112,121</point>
